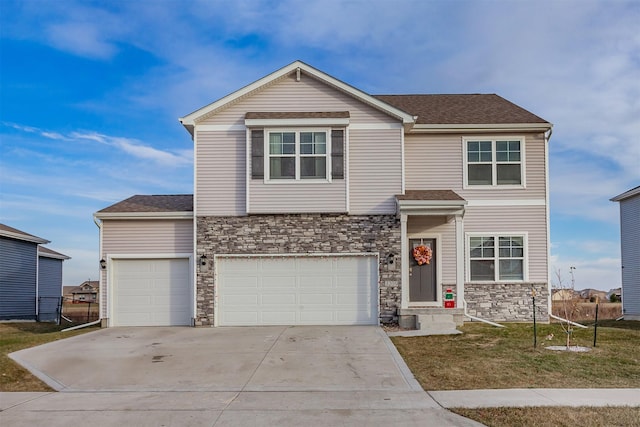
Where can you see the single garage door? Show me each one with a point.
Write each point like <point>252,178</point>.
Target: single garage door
<point>334,290</point>
<point>151,292</point>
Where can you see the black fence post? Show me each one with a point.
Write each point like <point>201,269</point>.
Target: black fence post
<point>89,312</point>
<point>535,332</point>
<point>595,326</point>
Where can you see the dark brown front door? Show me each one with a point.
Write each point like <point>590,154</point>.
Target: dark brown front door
<point>422,278</point>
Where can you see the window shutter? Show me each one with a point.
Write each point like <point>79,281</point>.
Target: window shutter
<point>337,154</point>
<point>257,154</point>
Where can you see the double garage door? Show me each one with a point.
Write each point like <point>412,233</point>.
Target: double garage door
<point>151,292</point>
<point>289,290</point>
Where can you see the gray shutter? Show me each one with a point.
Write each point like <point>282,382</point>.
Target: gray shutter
<point>257,154</point>
<point>337,154</point>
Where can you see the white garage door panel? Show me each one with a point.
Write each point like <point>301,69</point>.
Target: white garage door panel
<point>151,292</point>
<point>297,290</point>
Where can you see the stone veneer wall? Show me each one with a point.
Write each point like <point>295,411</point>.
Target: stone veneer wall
<point>507,302</point>
<point>300,234</point>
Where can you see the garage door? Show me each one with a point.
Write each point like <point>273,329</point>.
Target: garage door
<point>337,290</point>
<point>151,292</point>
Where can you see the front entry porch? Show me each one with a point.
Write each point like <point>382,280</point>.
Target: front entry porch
<point>433,260</point>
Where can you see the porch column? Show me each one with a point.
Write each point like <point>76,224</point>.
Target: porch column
<point>404,256</point>
<point>460,259</point>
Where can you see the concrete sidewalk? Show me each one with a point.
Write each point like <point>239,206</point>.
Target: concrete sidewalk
<point>513,398</point>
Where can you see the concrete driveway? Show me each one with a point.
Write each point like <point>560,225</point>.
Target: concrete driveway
<point>224,377</point>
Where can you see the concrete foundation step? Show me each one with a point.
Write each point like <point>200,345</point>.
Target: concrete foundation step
<point>436,324</point>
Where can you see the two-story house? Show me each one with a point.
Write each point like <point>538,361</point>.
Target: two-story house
<point>317,203</point>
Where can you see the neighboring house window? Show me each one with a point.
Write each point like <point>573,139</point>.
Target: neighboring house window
<point>496,258</point>
<point>494,162</point>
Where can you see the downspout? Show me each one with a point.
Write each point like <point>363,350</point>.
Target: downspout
<point>567,320</point>
<point>102,299</point>
<point>84,325</point>
<point>489,322</point>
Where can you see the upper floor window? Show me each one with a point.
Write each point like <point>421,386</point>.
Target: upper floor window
<point>494,162</point>
<point>496,258</point>
<point>297,155</point>
<point>291,154</point>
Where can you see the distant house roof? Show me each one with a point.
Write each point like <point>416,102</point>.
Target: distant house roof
<point>14,233</point>
<point>94,286</point>
<point>627,194</point>
<point>150,204</point>
<point>46,252</point>
<point>461,109</point>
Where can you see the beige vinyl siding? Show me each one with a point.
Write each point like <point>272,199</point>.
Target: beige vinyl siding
<point>375,170</point>
<point>418,226</point>
<point>290,95</point>
<point>297,197</point>
<point>143,237</point>
<point>220,173</point>
<point>435,162</point>
<point>514,219</point>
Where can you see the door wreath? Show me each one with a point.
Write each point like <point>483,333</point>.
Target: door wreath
<point>422,254</point>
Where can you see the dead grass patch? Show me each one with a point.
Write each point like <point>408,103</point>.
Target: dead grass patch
<point>18,336</point>
<point>488,357</point>
<point>554,416</point>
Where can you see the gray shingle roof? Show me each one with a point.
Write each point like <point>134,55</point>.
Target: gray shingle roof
<point>429,195</point>
<point>14,233</point>
<point>461,109</point>
<point>153,203</point>
<point>42,251</point>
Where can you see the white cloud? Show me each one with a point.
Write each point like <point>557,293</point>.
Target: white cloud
<point>80,38</point>
<point>130,146</point>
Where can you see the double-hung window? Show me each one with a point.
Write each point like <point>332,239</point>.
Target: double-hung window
<point>496,258</point>
<point>494,161</point>
<point>298,155</point>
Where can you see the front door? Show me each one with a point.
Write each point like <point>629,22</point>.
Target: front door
<point>422,270</point>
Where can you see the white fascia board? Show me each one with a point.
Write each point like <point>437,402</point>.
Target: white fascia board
<point>297,122</point>
<point>626,194</point>
<point>18,236</point>
<point>144,215</point>
<point>190,119</point>
<point>454,128</point>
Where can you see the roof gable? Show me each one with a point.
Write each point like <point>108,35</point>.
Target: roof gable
<point>190,120</point>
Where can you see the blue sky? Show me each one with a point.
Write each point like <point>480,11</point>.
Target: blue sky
<point>90,94</point>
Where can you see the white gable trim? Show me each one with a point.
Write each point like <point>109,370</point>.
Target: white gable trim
<point>190,120</point>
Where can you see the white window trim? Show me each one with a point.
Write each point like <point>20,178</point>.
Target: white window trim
<point>496,235</point>
<point>494,185</point>
<point>297,155</point>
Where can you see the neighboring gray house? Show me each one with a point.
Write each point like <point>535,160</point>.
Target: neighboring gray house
<point>317,203</point>
<point>30,277</point>
<point>630,251</point>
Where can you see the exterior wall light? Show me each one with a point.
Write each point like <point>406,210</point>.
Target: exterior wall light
<point>103,264</point>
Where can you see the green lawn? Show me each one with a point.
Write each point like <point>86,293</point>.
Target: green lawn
<point>18,336</point>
